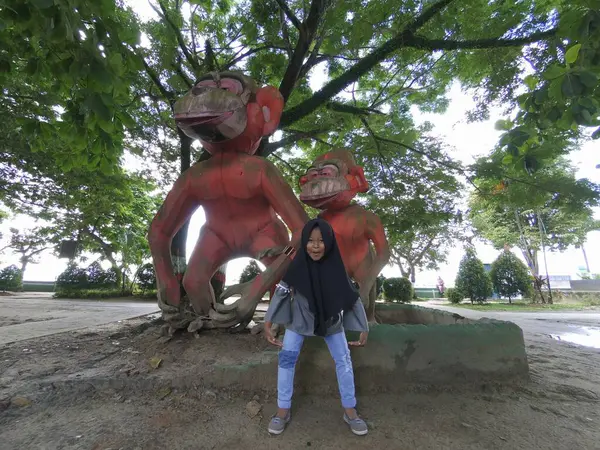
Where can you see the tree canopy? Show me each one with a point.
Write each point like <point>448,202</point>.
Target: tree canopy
<point>86,84</point>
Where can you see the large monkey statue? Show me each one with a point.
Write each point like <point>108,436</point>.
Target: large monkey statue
<point>330,184</point>
<point>240,193</point>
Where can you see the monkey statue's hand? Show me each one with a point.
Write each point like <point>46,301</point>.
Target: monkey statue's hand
<point>240,289</point>
<point>364,294</point>
<point>270,252</point>
<point>169,294</point>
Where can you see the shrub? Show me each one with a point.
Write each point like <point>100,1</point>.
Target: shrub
<point>398,290</point>
<point>11,279</point>
<point>98,278</point>
<point>510,276</point>
<point>472,280</point>
<point>146,277</point>
<point>72,279</point>
<point>250,272</point>
<point>379,284</point>
<point>454,295</point>
<point>91,293</point>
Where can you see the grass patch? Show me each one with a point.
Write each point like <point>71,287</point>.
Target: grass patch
<point>524,307</point>
<point>104,293</point>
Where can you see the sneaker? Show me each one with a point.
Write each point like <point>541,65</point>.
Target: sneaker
<point>277,424</point>
<point>357,426</point>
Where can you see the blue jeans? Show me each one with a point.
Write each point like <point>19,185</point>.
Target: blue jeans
<point>288,356</point>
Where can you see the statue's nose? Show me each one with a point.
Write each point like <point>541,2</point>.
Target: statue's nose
<point>199,90</point>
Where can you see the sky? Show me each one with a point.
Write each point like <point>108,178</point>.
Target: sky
<point>467,141</point>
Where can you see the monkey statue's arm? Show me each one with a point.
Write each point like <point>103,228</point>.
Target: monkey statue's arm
<point>283,200</point>
<point>177,208</point>
<point>375,233</point>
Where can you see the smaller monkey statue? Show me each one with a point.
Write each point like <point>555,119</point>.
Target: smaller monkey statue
<point>330,184</point>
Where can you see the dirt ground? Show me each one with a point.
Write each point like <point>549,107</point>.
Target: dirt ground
<point>63,392</point>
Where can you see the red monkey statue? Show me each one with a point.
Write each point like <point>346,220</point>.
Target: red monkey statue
<point>240,193</point>
<point>330,184</point>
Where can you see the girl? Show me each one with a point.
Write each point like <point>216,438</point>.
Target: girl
<point>316,298</point>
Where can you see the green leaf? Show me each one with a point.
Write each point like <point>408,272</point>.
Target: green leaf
<point>589,79</point>
<point>503,124</point>
<point>531,81</point>
<point>571,86</point>
<point>42,4</point>
<point>555,90</point>
<point>97,105</point>
<point>554,71</point>
<point>572,54</point>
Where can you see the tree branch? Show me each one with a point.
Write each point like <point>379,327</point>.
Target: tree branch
<point>292,168</point>
<point>308,29</point>
<point>423,43</point>
<point>404,39</point>
<point>349,109</point>
<point>237,59</point>
<point>188,56</point>
<point>289,14</point>
<point>292,139</point>
<point>168,95</point>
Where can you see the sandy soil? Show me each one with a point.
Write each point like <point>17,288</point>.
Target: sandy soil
<point>54,394</point>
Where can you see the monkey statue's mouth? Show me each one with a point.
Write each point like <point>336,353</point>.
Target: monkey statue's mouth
<point>322,190</point>
<point>192,119</point>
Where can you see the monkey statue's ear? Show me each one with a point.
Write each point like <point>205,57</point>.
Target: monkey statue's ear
<point>271,102</point>
<point>358,181</point>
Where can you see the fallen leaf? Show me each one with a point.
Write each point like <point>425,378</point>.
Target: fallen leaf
<point>155,362</point>
<point>20,401</point>
<point>164,392</point>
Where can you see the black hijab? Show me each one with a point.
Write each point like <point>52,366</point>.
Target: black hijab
<point>324,283</point>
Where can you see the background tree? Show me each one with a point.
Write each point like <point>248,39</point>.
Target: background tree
<point>11,279</point>
<point>398,290</point>
<point>28,244</point>
<point>83,92</point>
<point>550,210</point>
<point>146,277</point>
<point>510,276</point>
<point>250,272</point>
<point>472,281</point>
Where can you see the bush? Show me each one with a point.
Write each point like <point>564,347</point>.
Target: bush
<point>146,277</point>
<point>379,284</point>
<point>454,295</point>
<point>11,279</point>
<point>510,276</point>
<point>250,272</point>
<point>398,290</point>
<point>98,278</point>
<point>472,280</point>
<point>92,293</point>
<point>72,279</point>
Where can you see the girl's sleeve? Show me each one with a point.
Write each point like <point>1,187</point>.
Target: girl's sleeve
<point>356,318</point>
<point>280,308</point>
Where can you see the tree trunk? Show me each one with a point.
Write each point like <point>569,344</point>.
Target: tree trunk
<point>531,257</point>
<point>412,274</point>
<point>24,263</point>
<point>179,242</point>
<point>509,300</point>
<point>587,264</point>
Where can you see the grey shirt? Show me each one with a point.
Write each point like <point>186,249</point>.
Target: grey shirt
<point>292,311</point>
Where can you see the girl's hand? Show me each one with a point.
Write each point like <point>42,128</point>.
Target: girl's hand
<point>269,336</point>
<point>362,340</point>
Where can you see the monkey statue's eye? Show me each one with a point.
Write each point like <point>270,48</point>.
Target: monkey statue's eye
<point>312,174</point>
<point>329,171</point>
<point>226,84</point>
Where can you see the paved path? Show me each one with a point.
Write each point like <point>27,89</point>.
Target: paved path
<point>31,314</point>
<point>579,327</point>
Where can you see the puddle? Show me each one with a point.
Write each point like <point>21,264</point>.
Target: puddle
<point>588,337</point>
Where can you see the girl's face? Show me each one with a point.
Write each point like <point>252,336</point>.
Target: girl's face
<point>315,247</point>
